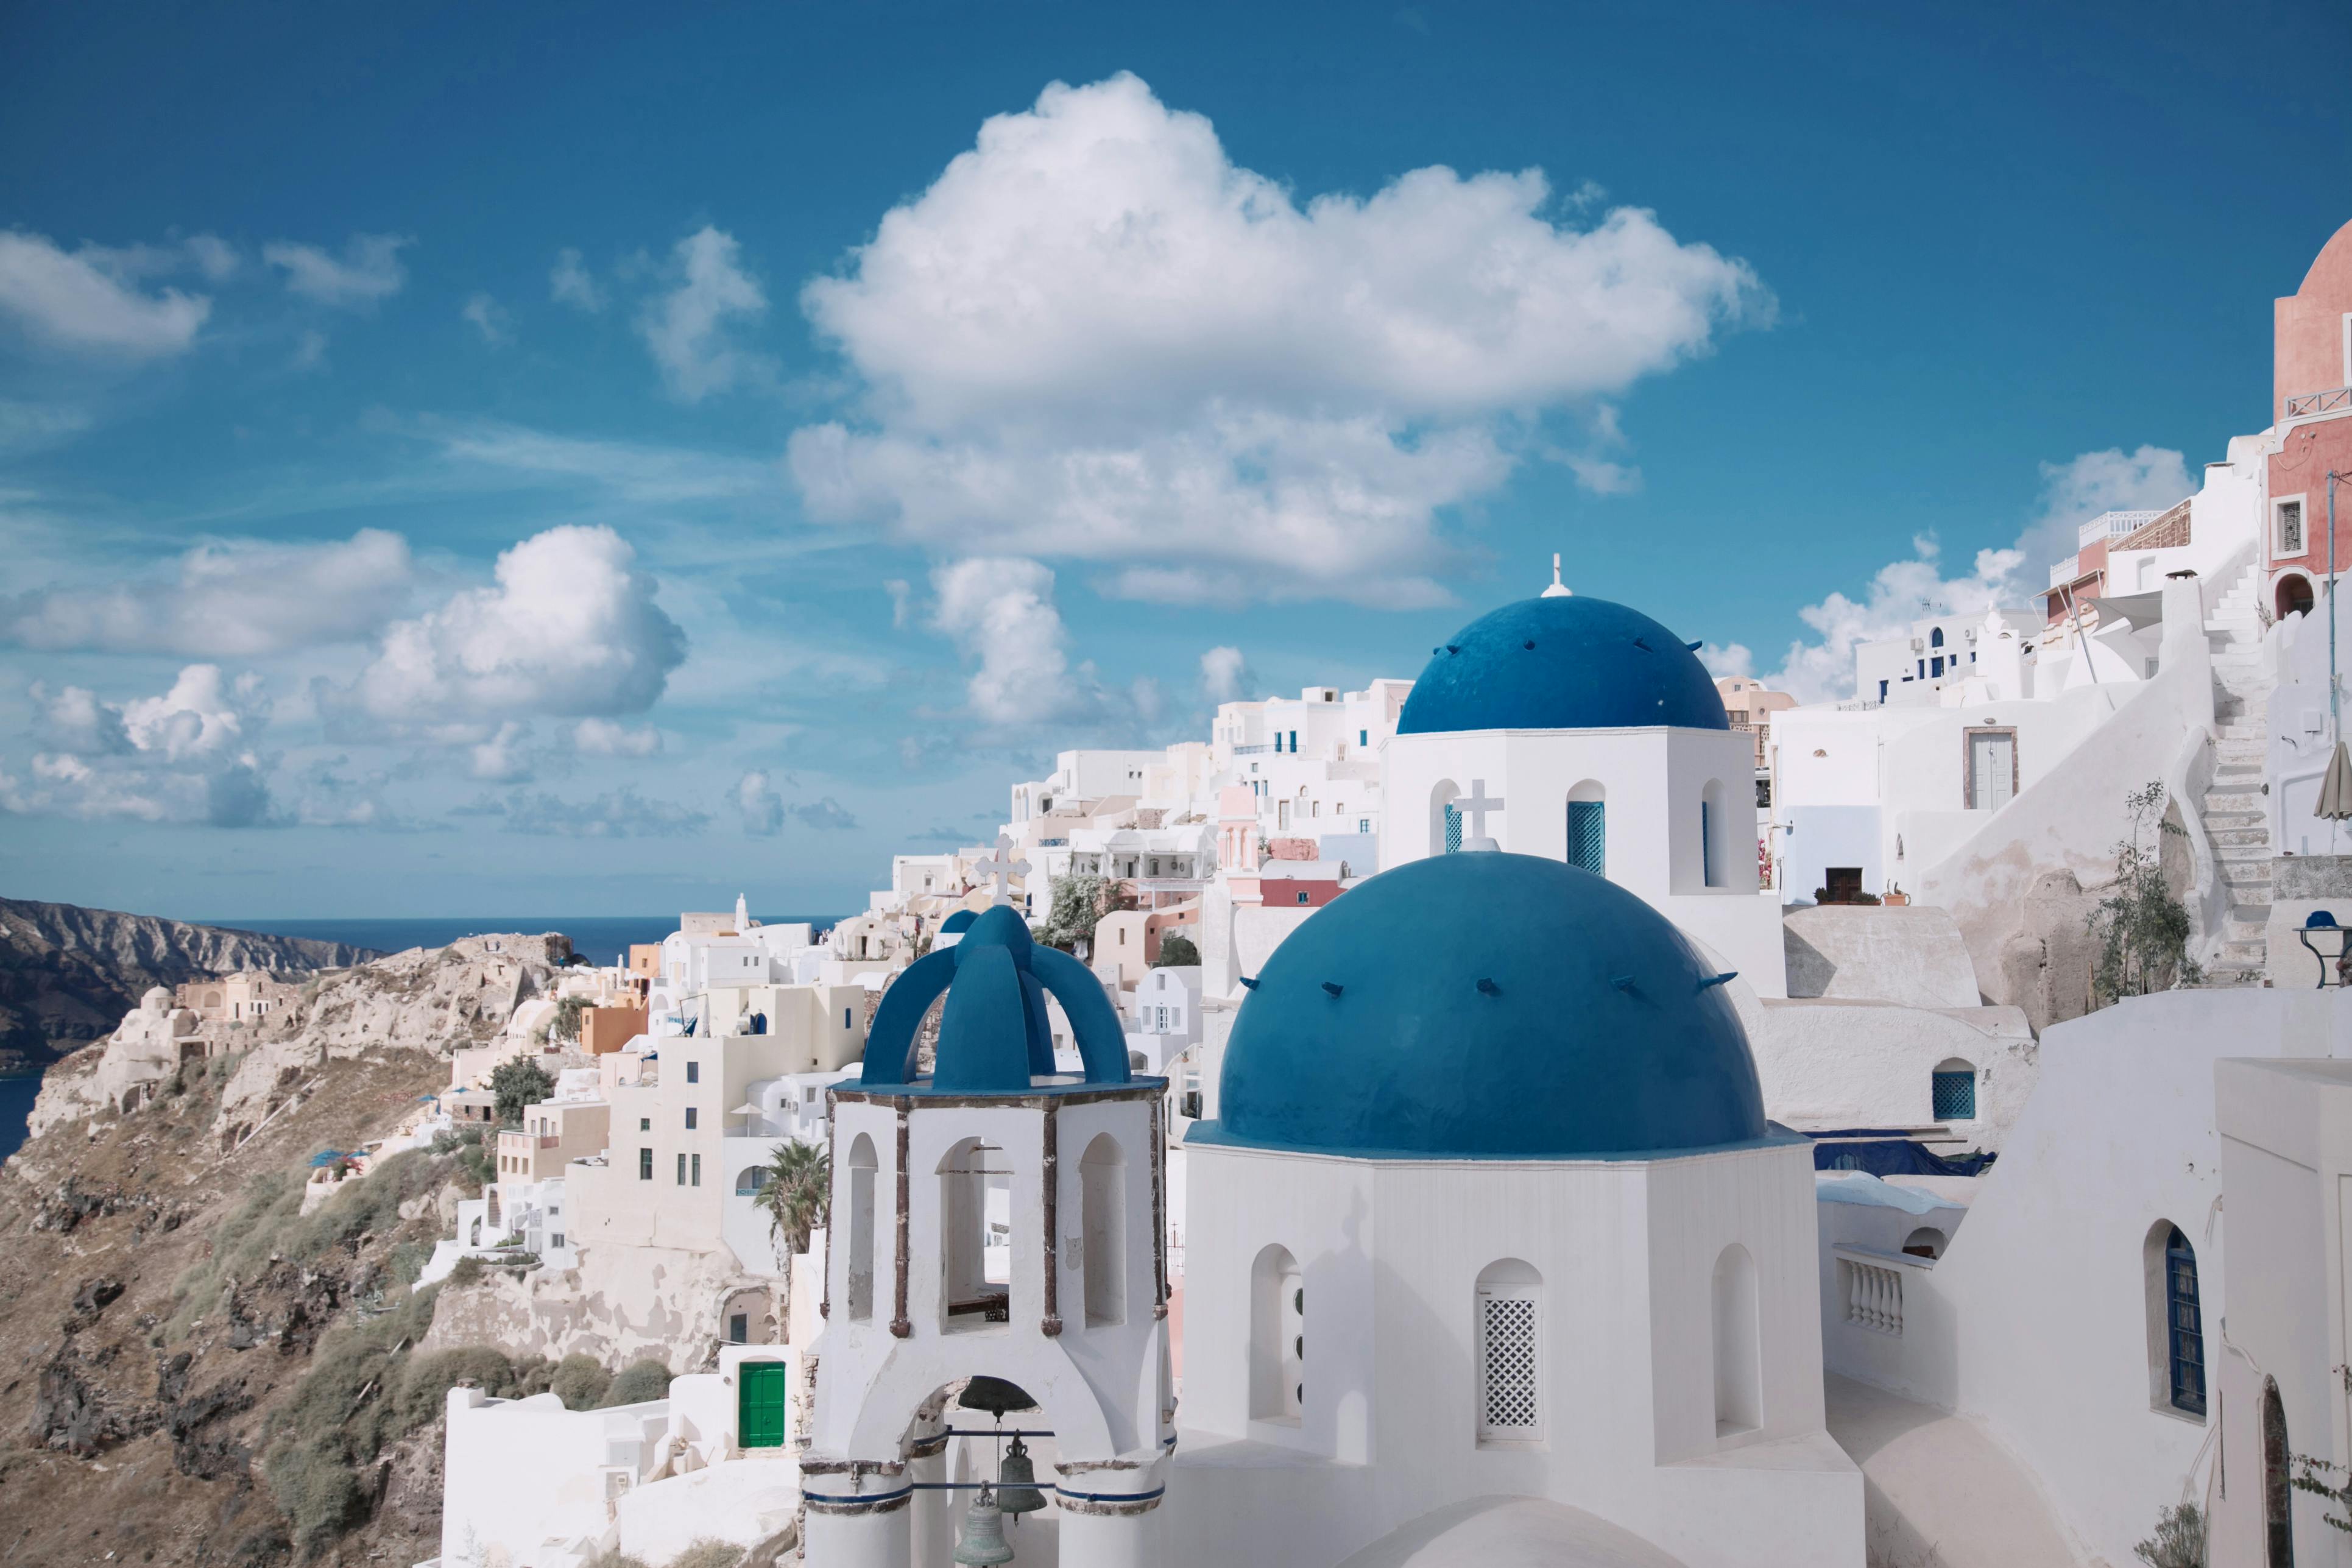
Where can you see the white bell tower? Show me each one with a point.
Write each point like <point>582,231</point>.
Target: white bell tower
<point>994,1218</point>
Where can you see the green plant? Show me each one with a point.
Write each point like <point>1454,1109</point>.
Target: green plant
<point>1176,952</point>
<point>316,1490</point>
<point>1076,908</point>
<point>708,1553</point>
<point>565,1024</point>
<point>517,1084</point>
<point>468,1272</point>
<point>795,1191</point>
<point>640,1382</point>
<point>615,1557</point>
<point>581,1382</point>
<point>2141,929</point>
<point>2178,1541</point>
<point>429,1378</point>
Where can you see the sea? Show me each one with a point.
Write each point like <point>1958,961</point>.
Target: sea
<point>602,939</point>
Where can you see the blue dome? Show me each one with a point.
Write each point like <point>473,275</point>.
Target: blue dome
<point>960,920</point>
<point>1565,663</point>
<point>993,1035</point>
<point>1488,1005</point>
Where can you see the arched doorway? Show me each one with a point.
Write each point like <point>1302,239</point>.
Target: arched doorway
<point>2293,596</point>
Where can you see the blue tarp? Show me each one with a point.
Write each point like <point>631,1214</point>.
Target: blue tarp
<point>1883,1152</point>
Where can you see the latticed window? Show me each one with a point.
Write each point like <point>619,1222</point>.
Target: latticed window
<point>1509,1407</point>
<point>1588,836</point>
<point>1453,830</point>
<point>1956,1095</point>
<point>2185,1324</point>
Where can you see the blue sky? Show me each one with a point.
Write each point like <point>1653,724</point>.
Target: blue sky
<point>572,459</point>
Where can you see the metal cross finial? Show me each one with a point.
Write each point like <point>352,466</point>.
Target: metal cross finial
<point>1001,868</point>
<point>1476,805</point>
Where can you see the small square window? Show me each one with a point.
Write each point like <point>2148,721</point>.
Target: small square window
<point>645,1123</point>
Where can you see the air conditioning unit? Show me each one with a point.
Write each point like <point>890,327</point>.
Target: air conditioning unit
<point>1918,644</point>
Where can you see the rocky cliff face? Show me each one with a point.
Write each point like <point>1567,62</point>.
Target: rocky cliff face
<point>68,974</point>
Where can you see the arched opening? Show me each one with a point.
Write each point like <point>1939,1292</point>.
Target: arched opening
<point>1102,1198</point>
<point>1952,1093</point>
<point>2175,1323</point>
<point>1935,637</point>
<point>1739,1360</point>
<point>751,1179</point>
<point>747,1317</point>
<point>1926,1242</point>
<point>975,1235</point>
<point>2295,595</point>
<point>1509,1338</point>
<point>1711,821</point>
<point>1277,1337</point>
<point>861,1228</point>
<point>2278,1487</point>
<point>1444,822</point>
<point>1588,828</point>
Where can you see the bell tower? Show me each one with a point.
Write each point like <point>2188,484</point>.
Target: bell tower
<point>992,1218</point>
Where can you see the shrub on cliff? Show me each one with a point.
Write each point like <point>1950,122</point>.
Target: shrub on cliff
<point>642,1381</point>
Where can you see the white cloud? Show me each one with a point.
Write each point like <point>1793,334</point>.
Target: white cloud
<point>1000,613</point>
<point>368,272</point>
<point>763,807</point>
<point>622,814</point>
<point>215,257</point>
<point>90,301</point>
<point>229,599</point>
<point>503,758</point>
<point>571,283</point>
<point>1729,659</point>
<point>490,318</point>
<point>2073,493</point>
<point>826,815</point>
<point>689,329</point>
<point>32,427</point>
<point>1095,336</point>
<point>570,629</point>
<point>660,475</point>
<point>1225,674</point>
<point>184,755</point>
<point>603,738</point>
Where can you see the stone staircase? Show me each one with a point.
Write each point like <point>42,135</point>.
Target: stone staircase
<point>2236,809</point>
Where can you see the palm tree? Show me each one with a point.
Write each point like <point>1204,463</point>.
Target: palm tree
<point>794,1193</point>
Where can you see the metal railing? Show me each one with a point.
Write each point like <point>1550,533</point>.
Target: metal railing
<point>2332,400</point>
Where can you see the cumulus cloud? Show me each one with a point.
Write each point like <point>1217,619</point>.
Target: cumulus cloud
<point>1095,336</point>
<point>763,807</point>
<point>571,283</point>
<point>1000,613</point>
<point>603,738</point>
<point>569,629</point>
<point>185,754</point>
<point>2073,493</point>
<point>229,599</point>
<point>690,329</point>
<point>489,318</point>
<point>1723,660</point>
<point>367,273</point>
<point>90,301</point>
<point>1225,674</point>
<point>505,757</point>
<point>826,815</point>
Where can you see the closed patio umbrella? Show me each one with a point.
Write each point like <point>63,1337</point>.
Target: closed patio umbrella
<point>2335,788</point>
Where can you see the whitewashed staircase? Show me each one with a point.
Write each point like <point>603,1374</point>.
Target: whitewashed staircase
<point>2236,812</point>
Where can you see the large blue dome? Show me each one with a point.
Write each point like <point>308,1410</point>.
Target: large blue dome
<point>1563,663</point>
<point>1488,1005</point>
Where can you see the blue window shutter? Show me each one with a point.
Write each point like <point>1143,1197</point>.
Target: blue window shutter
<point>1588,836</point>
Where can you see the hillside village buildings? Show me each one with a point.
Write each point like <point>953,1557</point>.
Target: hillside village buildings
<point>1569,1144</point>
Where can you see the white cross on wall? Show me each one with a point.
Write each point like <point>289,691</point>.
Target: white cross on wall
<point>1476,805</point>
<point>1001,868</point>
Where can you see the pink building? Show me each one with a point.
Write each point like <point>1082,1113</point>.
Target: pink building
<point>2311,401</point>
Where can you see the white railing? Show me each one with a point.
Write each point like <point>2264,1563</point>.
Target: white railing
<point>2114,525</point>
<point>1871,1285</point>
<point>2063,573</point>
<point>2332,400</point>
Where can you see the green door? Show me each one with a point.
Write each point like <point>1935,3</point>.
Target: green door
<point>760,1407</point>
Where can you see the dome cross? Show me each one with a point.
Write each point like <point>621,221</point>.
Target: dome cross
<point>1001,868</point>
<point>1476,805</point>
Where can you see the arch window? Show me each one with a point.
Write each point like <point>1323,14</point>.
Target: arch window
<point>1738,1372</point>
<point>1710,829</point>
<point>1102,1198</point>
<point>1954,1091</point>
<point>976,1234</point>
<point>1588,828</point>
<point>1277,1370</point>
<point>1926,1242</point>
<point>1445,821</point>
<point>861,1228</point>
<point>2175,1323</point>
<point>1509,1340</point>
<point>1935,637</point>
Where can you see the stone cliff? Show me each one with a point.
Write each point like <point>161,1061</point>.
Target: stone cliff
<point>67,975</point>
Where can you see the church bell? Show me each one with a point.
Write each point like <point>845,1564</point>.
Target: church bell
<point>1016,1482</point>
<point>982,1540</point>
